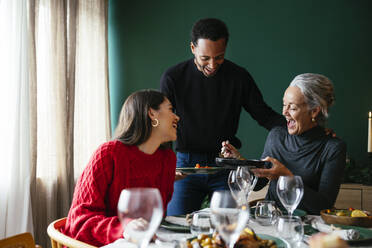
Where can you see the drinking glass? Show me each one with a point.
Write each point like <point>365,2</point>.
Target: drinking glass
<point>201,223</point>
<point>290,228</point>
<point>246,180</point>
<point>143,205</point>
<point>235,189</point>
<point>228,219</point>
<point>290,190</point>
<point>266,213</point>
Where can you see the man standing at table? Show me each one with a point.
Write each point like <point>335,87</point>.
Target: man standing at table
<point>208,93</point>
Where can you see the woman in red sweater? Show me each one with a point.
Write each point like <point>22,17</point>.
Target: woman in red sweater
<point>134,158</point>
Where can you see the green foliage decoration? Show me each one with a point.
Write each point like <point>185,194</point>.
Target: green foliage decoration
<point>358,172</point>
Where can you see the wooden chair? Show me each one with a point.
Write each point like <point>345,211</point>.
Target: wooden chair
<point>23,240</point>
<point>59,240</point>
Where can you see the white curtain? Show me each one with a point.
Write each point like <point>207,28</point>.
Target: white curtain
<point>15,173</point>
<point>61,97</point>
<point>91,115</point>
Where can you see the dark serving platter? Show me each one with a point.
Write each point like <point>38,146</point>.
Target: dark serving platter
<point>233,163</point>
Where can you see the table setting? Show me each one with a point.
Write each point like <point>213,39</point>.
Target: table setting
<point>230,221</point>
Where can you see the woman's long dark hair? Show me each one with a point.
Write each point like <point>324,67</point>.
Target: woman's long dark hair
<point>134,126</point>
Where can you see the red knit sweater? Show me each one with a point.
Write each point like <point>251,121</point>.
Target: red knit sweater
<point>114,166</point>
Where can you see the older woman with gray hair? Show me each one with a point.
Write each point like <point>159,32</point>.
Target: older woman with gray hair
<point>303,148</point>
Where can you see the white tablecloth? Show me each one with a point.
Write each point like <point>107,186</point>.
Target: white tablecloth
<point>168,235</point>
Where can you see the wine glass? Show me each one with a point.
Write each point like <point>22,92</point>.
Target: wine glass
<point>228,219</point>
<point>290,228</point>
<point>290,190</point>
<point>246,180</point>
<point>235,189</point>
<point>140,211</point>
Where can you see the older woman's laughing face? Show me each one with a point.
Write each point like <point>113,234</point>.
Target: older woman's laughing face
<point>296,111</point>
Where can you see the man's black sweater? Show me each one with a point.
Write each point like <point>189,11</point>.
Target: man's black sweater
<point>209,107</point>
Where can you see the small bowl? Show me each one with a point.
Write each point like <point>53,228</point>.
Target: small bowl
<point>346,220</point>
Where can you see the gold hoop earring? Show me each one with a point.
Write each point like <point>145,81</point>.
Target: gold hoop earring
<point>156,123</point>
<point>313,119</point>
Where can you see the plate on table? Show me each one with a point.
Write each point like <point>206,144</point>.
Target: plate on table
<point>345,218</point>
<point>365,235</point>
<point>280,243</point>
<point>233,163</point>
<point>193,170</point>
<point>175,223</point>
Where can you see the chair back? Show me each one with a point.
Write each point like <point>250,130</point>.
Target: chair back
<point>59,240</point>
<point>23,240</point>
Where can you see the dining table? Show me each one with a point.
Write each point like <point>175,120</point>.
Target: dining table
<point>173,238</point>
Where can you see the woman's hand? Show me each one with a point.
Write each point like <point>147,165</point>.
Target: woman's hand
<point>133,226</point>
<point>179,175</point>
<point>229,151</point>
<point>277,170</point>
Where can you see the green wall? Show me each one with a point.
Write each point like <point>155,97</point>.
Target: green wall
<point>274,40</point>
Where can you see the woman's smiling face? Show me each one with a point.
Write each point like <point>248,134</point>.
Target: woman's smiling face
<point>296,111</point>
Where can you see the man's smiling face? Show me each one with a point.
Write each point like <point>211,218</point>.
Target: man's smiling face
<point>209,55</point>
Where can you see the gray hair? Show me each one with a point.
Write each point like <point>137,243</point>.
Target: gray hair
<point>318,92</point>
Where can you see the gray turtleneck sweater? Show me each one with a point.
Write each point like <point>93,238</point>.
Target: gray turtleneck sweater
<point>319,160</point>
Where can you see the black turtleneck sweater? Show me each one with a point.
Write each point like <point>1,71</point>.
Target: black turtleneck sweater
<point>319,160</point>
<point>210,107</point>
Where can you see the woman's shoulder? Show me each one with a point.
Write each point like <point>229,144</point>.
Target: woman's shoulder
<point>112,145</point>
<point>111,149</point>
<point>278,131</point>
<point>335,143</point>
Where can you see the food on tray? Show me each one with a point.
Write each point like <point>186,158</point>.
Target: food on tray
<point>198,166</point>
<point>247,239</point>
<point>358,213</point>
<point>348,212</point>
<point>348,217</point>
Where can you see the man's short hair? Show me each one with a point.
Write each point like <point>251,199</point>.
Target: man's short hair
<point>209,28</point>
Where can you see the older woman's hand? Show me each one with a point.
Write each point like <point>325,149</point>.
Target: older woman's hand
<point>229,151</point>
<point>277,170</point>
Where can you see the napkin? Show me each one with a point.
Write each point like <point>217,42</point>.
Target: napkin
<point>345,234</point>
<point>120,243</point>
<point>178,220</point>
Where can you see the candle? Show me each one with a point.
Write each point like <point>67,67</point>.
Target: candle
<point>370,131</point>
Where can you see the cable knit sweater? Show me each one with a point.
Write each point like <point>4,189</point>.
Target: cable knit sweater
<point>113,167</point>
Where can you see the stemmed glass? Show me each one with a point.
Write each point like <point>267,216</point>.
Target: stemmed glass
<point>228,219</point>
<point>246,180</point>
<point>290,190</point>
<point>140,211</point>
<point>235,189</point>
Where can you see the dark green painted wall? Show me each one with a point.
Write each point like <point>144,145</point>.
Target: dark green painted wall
<point>274,40</point>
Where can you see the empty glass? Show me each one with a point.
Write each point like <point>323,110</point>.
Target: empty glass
<point>140,211</point>
<point>290,228</point>
<point>246,180</point>
<point>235,189</point>
<point>201,223</point>
<point>290,190</point>
<point>266,213</point>
<point>228,219</point>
